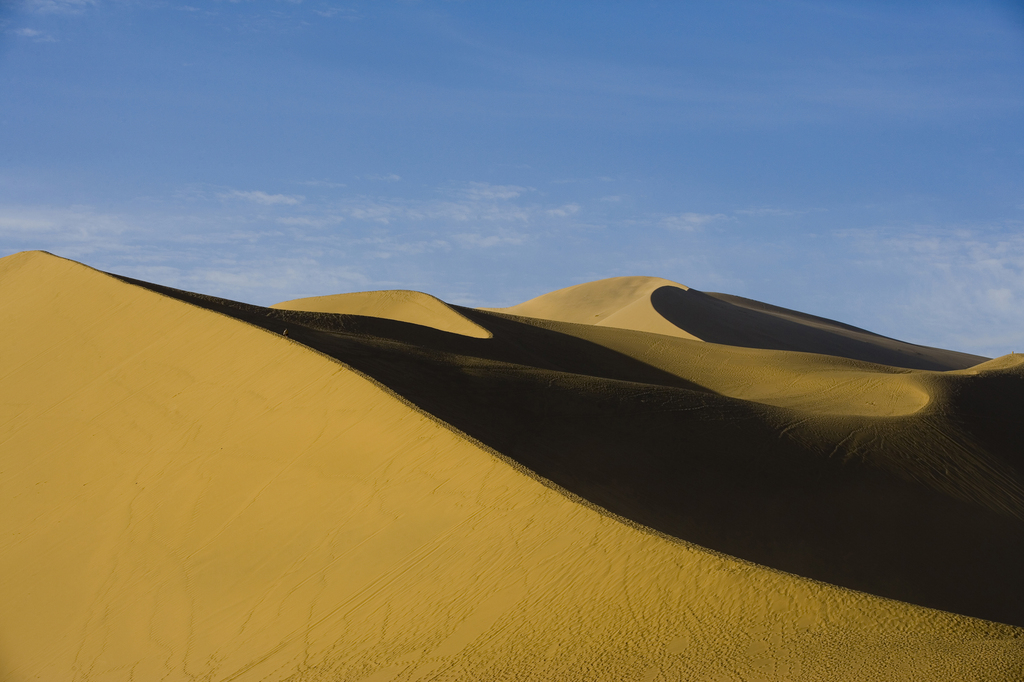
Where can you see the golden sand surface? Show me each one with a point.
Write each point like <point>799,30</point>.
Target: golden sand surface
<point>401,305</point>
<point>653,304</point>
<point>188,494</point>
<point>623,302</point>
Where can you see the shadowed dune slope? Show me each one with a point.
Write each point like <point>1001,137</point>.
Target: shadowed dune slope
<point>186,496</point>
<point>901,483</point>
<point>652,304</point>
<point>405,306</point>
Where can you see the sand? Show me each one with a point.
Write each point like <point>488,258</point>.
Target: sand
<point>401,305</point>
<point>187,493</point>
<point>653,304</point>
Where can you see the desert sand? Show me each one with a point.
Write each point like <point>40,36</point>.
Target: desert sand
<point>380,486</point>
<point>401,305</point>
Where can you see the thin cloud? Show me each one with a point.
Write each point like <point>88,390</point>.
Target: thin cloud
<point>380,213</point>
<point>964,287</point>
<point>34,35</point>
<point>338,12</point>
<point>691,222</point>
<point>80,222</point>
<point>263,198</point>
<point>476,202</point>
<point>322,183</point>
<point>390,247</point>
<point>489,241</point>
<point>564,211</point>
<point>769,212</point>
<point>307,221</point>
<point>60,6</point>
<point>481,191</point>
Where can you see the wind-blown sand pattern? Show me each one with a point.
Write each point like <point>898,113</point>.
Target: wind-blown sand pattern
<point>189,494</point>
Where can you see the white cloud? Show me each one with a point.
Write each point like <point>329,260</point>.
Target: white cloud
<point>74,222</point>
<point>263,198</point>
<point>60,6</point>
<point>260,247</point>
<point>307,221</point>
<point>489,241</point>
<point>482,191</point>
<point>389,246</point>
<point>691,221</point>
<point>769,212</point>
<point>380,213</point>
<point>346,14</point>
<point>564,211</point>
<point>963,287</point>
<point>385,178</point>
<point>34,35</point>
<point>477,202</point>
<point>323,183</point>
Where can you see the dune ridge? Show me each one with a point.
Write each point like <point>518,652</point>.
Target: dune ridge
<point>190,494</point>
<point>401,305</point>
<point>622,302</point>
<point>656,305</point>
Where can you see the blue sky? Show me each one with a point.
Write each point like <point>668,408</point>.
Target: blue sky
<point>863,161</point>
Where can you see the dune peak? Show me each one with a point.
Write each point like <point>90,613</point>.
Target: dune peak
<point>623,302</point>
<point>661,306</point>
<point>402,305</point>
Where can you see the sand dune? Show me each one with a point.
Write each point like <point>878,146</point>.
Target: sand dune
<point>656,305</point>
<point>623,302</point>
<point>901,490</point>
<point>189,494</point>
<point>401,305</point>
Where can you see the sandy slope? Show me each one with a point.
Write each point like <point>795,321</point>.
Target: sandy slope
<point>623,302</point>
<point>652,304</point>
<point>187,496</point>
<point>902,483</point>
<point>401,305</point>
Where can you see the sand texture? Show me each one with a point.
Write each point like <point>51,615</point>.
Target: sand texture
<point>389,493</point>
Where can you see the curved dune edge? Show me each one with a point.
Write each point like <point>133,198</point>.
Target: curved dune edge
<point>659,306</point>
<point>622,302</point>
<point>185,496</point>
<point>401,305</point>
<point>817,384</point>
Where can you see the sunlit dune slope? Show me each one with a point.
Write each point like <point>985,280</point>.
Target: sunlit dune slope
<point>187,496</point>
<point>652,304</point>
<point>623,302</point>
<point>877,478</point>
<point>405,306</point>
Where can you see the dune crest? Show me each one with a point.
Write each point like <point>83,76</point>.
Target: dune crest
<point>819,385</point>
<point>655,305</point>
<point>401,305</point>
<point>623,302</point>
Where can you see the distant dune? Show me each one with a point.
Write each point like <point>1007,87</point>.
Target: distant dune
<point>623,480</point>
<point>652,304</point>
<point>404,306</point>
